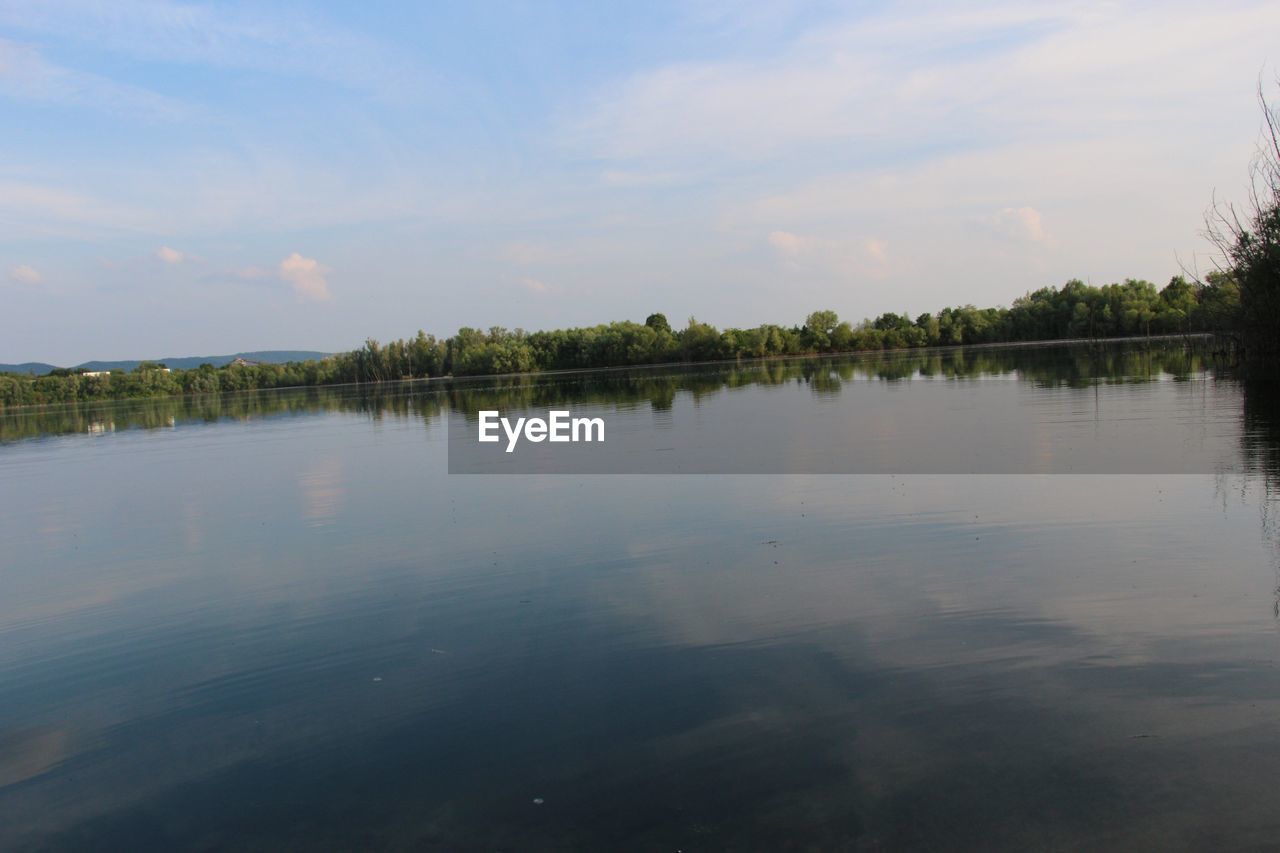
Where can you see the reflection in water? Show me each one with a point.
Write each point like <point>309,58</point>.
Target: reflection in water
<point>1046,367</point>
<point>25,754</point>
<point>1260,445</point>
<point>322,490</point>
<point>293,630</point>
<point>1260,440</point>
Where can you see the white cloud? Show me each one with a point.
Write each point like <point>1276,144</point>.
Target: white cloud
<point>306,276</point>
<point>877,250</point>
<point>524,253</point>
<point>934,77</point>
<point>533,285</point>
<point>26,74</point>
<point>789,244</point>
<point>251,273</point>
<point>847,258</point>
<point>949,155</point>
<point>170,256</point>
<point>225,36</point>
<point>963,231</point>
<point>1020,223</point>
<point>25,274</point>
<point>39,210</point>
<point>624,179</point>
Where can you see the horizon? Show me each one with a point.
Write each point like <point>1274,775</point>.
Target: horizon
<point>191,178</point>
<point>171,357</point>
<point>856,322</point>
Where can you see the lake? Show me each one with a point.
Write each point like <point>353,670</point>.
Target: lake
<point>978,599</point>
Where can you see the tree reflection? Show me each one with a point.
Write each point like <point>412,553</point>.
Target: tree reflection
<point>1260,449</point>
<point>1070,366</point>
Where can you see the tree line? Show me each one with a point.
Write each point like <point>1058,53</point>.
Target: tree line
<point>1077,366</point>
<point>1075,310</point>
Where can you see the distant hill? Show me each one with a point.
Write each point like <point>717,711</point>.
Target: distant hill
<point>182,363</point>
<point>39,368</point>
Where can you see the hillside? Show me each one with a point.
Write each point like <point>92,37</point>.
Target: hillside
<point>39,368</point>
<point>179,363</point>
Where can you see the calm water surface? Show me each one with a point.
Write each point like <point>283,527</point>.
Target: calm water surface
<point>278,622</point>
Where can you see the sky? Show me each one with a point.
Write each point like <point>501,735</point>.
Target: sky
<point>196,179</point>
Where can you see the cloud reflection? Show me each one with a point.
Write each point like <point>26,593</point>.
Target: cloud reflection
<point>322,490</point>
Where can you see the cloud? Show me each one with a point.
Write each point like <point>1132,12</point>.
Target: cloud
<point>38,210</point>
<point>170,256</point>
<point>26,74</point>
<point>224,36</point>
<point>322,489</point>
<point>533,285</point>
<point>622,178</point>
<point>252,273</point>
<point>789,244</point>
<point>845,258</point>
<point>877,250</point>
<point>524,253</point>
<point>307,277</point>
<point>25,274</point>
<point>1021,224</point>
<point>910,80</point>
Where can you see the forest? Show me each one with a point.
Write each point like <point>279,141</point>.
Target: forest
<point>1076,310</point>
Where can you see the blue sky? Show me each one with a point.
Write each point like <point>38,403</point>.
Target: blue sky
<point>184,179</point>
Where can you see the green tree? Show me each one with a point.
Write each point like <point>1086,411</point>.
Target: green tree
<point>658,322</point>
<point>700,342</point>
<point>1249,242</point>
<point>818,328</point>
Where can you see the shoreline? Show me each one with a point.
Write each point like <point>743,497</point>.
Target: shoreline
<point>685,366</point>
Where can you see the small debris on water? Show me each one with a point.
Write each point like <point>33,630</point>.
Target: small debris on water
<point>377,678</point>
<point>439,652</point>
<point>537,801</point>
